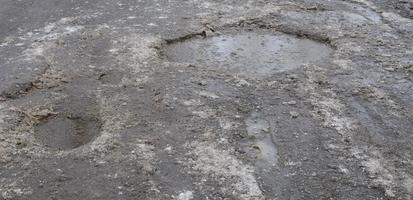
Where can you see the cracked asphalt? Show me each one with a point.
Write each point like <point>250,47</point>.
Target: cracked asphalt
<point>92,107</point>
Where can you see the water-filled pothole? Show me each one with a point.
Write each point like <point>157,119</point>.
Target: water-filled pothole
<point>65,133</point>
<point>249,53</point>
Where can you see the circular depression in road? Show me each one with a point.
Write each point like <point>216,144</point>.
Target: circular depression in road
<point>66,133</point>
<point>249,53</point>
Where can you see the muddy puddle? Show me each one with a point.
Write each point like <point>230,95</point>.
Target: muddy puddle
<point>249,53</point>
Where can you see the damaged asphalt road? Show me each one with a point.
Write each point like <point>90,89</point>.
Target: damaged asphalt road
<point>206,99</point>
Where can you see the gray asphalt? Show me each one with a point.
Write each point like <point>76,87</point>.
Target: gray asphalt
<point>99,100</point>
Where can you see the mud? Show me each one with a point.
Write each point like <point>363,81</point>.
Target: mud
<point>244,99</point>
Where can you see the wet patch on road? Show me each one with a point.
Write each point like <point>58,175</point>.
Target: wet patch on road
<point>251,54</point>
<point>259,129</point>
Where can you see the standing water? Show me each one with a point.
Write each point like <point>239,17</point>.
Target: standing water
<point>249,53</point>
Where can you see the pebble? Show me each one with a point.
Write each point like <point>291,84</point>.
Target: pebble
<point>202,83</point>
<point>290,103</point>
<point>243,82</point>
<point>294,114</point>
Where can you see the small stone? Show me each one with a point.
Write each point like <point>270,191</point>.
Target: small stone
<point>410,69</point>
<point>390,69</point>
<point>243,82</point>
<point>208,94</point>
<point>168,149</point>
<point>290,103</point>
<point>187,195</point>
<point>294,114</point>
<point>202,83</point>
<point>272,83</point>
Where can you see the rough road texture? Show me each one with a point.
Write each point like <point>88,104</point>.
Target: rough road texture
<point>130,124</point>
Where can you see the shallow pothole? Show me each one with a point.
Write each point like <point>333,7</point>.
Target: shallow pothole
<point>64,133</point>
<point>73,121</point>
<point>249,53</point>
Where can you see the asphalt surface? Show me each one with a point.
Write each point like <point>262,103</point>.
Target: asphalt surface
<point>93,105</point>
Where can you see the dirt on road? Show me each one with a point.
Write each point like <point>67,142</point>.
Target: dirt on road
<point>190,99</point>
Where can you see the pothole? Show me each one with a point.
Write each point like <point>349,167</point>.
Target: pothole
<point>249,53</point>
<point>65,132</point>
<point>72,121</point>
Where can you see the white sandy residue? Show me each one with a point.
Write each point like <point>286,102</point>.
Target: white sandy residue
<point>215,162</point>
